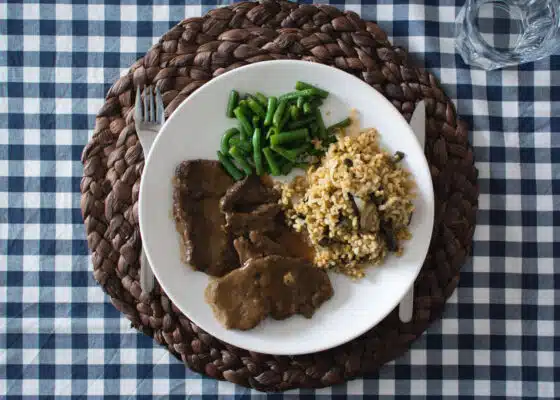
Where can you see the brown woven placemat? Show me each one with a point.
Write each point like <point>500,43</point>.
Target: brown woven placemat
<point>189,55</point>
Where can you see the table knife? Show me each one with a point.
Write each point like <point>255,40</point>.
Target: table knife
<point>418,125</point>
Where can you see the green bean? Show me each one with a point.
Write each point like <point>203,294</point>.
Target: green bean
<point>246,154</point>
<point>230,133</point>
<point>302,165</point>
<point>229,167</point>
<point>305,122</point>
<point>289,137</point>
<point>315,103</point>
<point>242,117</point>
<point>303,86</point>
<point>300,93</point>
<point>322,130</point>
<point>294,112</point>
<point>316,152</point>
<point>239,157</point>
<point>279,113</point>
<point>271,131</point>
<point>261,98</point>
<point>232,102</point>
<point>256,107</point>
<point>257,151</point>
<point>271,107</point>
<point>242,144</point>
<point>330,139</point>
<point>290,154</point>
<point>340,124</point>
<point>285,119</point>
<point>287,168</point>
<point>245,107</point>
<point>243,134</point>
<point>273,165</point>
<point>248,113</point>
<point>290,120</point>
<point>313,129</point>
<point>256,121</point>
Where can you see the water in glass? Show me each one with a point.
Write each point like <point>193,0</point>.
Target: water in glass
<point>492,34</point>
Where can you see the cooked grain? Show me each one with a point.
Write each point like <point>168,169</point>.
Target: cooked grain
<point>321,203</point>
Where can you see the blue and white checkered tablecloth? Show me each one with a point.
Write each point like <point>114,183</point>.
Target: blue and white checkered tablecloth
<point>59,334</point>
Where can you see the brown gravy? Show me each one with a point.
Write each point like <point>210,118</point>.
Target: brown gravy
<point>296,244</point>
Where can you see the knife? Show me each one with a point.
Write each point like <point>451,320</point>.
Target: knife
<point>418,125</point>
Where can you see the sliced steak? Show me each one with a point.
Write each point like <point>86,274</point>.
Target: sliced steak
<point>258,245</point>
<point>198,187</point>
<point>266,245</point>
<point>245,249</point>
<point>247,194</point>
<point>273,285</point>
<point>263,218</point>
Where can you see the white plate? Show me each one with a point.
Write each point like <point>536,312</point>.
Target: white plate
<point>194,132</point>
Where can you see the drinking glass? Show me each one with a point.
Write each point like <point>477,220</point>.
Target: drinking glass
<point>492,34</point>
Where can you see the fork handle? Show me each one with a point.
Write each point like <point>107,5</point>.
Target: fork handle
<point>147,139</point>
<point>146,274</point>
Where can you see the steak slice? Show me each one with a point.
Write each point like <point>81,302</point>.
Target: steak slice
<point>263,218</point>
<point>198,187</point>
<point>273,285</point>
<point>247,194</point>
<point>266,245</point>
<point>258,245</point>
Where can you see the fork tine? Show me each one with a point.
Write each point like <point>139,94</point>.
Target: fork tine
<point>152,106</point>
<point>160,106</point>
<point>146,104</point>
<point>138,106</point>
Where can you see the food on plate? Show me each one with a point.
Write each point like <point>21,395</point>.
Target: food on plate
<point>225,225</point>
<point>247,194</point>
<point>198,187</point>
<point>257,245</point>
<point>261,218</point>
<point>355,206</point>
<point>269,248</point>
<point>275,134</point>
<point>249,205</point>
<point>283,242</point>
<point>273,285</point>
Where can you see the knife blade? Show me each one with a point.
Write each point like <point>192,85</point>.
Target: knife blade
<point>418,125</point>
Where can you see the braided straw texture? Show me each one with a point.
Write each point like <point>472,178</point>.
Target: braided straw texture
<point>195,51</point>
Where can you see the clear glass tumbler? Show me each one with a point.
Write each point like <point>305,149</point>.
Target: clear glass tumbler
<point>492,34</point>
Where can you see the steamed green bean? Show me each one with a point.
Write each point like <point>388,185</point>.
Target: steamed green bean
<point>224,144</point>
<point>232,103</point>
<point>229,167</point>
<point>276,134</point>
<point>303,86</point>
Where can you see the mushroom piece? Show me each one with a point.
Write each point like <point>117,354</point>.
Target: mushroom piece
<point>355,206</point>
<point>389,236</point>
<point>344,221</point>
<point>369,217</point>
<point>366,211</point>
<point>398,156</point>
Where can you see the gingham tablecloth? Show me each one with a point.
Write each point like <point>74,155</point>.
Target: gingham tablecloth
<point>59,334</point>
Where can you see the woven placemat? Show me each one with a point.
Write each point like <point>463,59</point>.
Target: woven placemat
<point>195,51</point>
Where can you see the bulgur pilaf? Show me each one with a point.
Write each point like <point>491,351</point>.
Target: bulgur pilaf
<point>356,205</point>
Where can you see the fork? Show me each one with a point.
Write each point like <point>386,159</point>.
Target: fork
<point>149,117</point>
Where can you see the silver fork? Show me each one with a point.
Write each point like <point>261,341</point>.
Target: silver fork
<point>148,118</point>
